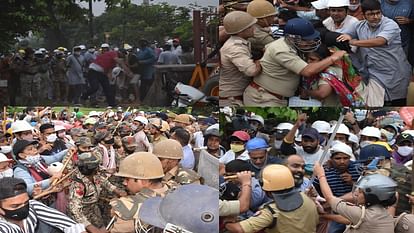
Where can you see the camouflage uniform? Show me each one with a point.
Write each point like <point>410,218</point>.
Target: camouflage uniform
<point>180,176</point>
<point>44,79</point>
<point>30,83</point>
<point>60,83</point>
<point>127,208</point>
<point>403,177</point>
<point>83,202</point>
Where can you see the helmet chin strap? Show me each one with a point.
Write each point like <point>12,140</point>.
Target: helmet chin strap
<point>294,41</point>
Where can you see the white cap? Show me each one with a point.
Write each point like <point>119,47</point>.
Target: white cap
<point>342,129</point>
<point>257,118</point>
<point>371,131</point>
<point>338,3</point>
<point>353,138</point>
<point>59,128</point>
<point>5,149</point>
<point>38,52</point>
<point>141,119</point>
<point>104,45</point>
<point>93,113</point>
<point>284,125</point>
<point>82,46</point>
<point>320,4</point>
<point>215,126</point>
<point>321,126</point>
<point>341,147</point>
<point>3,158</point>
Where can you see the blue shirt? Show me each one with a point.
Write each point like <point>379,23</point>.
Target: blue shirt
<point>387,64</point>
<point>146,57</point>
<point>337,185</point>
<point>402,8</point>
<point>188,158</point>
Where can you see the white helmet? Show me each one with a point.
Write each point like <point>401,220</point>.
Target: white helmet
<point>93,114</point>
<point>353,138</point>
<point>284,125</point>
<point>141,119</point>
<point>257,118</point>
<point>20,126</point>
<point>371,131</point>
<point>341,130</point>
<point>321,126</point>
<point>338,3</point>
<point>105,45</point>
<point>82,47</point>
<point>54,168</point>
<point>116,71</point>
<point>320,4</point>
<point>341,147</point>
<point>59,128</point>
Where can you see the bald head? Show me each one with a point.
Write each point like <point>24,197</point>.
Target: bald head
<point>296,165</point>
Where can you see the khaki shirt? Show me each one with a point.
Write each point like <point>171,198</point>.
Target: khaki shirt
<point>375,220</point>
<point>302,220</point>
<point>236,67</point>
<point>262,37</point>
<point>281,67</point>
<point>229,208</point>
<point>127,224</point>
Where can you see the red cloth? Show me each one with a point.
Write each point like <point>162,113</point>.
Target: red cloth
<point>107,60</point>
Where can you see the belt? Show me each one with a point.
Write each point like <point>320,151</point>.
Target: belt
<point>240,97</point>
<point>257,86</point>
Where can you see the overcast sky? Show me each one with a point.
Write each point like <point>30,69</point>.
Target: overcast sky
<point>99,7</point>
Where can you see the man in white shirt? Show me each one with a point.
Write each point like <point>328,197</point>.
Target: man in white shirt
<point>339,20</point>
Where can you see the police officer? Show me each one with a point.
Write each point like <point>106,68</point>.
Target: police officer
<point>291,211</point>
<point>142,173</point>
<point>374,194</point>
<point>237,66</point>
<point>265,13</point>
<point>84,193</point>
<point>158,129</point>
<point>129,145</point>
<point>283,66</point>
<point>170,152</point>
<point>191,208</point>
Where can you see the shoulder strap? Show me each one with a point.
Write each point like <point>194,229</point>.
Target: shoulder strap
<point>398,219</point>
<point>274,221</point>
<point>361,219</point>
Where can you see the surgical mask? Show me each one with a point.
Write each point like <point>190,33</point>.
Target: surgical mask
<point>278,144</point>
<point>33,159</point>
<point>353,7</point>
<point>405,150</point>
<point>6,173</point>
<point>51,138</point>
<point>17,214</point>
<point>87,171</point>
<point>5,149</point>
<point>45,120</point>
<point>365,143</point>
<point>28,137</point>
<point>91,50</point>
<point>134,127</point>
<point>237,147</point>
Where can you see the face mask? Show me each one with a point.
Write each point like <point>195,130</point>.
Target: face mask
<point>405,150</point>
<point>365,143</point>
<point>87,171</point>
<point>134,127</point>
<point>77,53</point>
<point>5,149</point>
<point>91,50</point>
<point>353,7</point>
<point>45,120</point>
<point>278,144</point>
<point>17,214</point>
<point>110,141</point>
<point>51,138</point>
<point>33,159</point>
<point>6,173</point>
<point>236,148</point>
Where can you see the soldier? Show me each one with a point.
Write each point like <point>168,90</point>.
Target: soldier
<point>142,173</point>
<point>129,145</point>
<point>60,84</point>
<point>158,129</point>
<point>170,153</point>
<point>198,203</point>
<point>29,81</point>
<point>237,66</point>
<point>84,193</point>
<point>265,13</point>
<point>291,211</point>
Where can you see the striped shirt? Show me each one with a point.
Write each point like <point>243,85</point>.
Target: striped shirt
<point>337,185</point>
<point>40,212</point>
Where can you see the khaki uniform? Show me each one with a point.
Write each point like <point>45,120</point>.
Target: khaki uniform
<point>375,220</point>
<point>159,139</point>
<point>302,220</point>
<point>59,79</point>
<point>229,208</point>
<point>262,37</point>
<point>30,81</point>
<point>126,209</point>
<point>236,69</point>
<point>180,176</point>
<point>281,67</point>
<point>83,199</point>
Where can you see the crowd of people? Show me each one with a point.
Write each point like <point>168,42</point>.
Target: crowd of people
<point>351,174</point>
<point>113,171</point>
<point>85,74</point>
<point>317,53</point>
